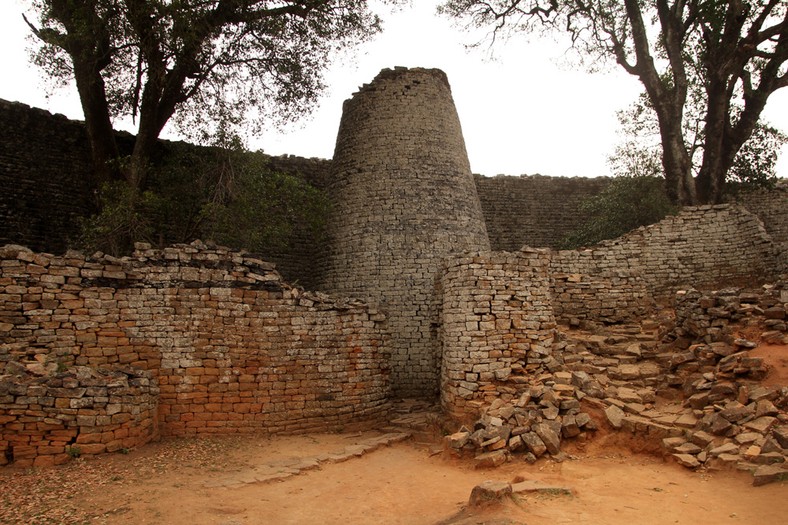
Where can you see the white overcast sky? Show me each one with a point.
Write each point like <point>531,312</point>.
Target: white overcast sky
<point>527,111</point>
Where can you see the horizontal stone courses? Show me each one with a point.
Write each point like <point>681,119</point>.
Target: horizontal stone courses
<point>222,356</point>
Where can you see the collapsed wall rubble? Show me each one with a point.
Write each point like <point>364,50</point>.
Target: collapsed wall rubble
<point>701,400</point>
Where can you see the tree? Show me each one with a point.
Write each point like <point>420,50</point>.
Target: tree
<point>734,52</point>
<point>224,194</point>
<point>200,62</point>
<point>639,152</point>
<point>628,202</point>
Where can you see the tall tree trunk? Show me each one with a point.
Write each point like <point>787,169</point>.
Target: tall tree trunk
<point>679,182</point>
<point>98,123</point>
<point>711,177</point>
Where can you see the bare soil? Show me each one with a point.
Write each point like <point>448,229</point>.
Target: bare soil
<point>175,482</point>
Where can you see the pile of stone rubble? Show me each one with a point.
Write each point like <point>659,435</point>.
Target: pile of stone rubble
<point>690,386</point>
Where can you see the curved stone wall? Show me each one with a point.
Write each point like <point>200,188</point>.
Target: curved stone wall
<point>102,353</point>
<point>404,197</point>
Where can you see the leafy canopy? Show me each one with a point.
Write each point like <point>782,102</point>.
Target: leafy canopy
<point>204,63</point>
<point>639,151</point>
<point>226,195</point>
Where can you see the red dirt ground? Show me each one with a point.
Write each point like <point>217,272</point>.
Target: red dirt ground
<point>168,483</point>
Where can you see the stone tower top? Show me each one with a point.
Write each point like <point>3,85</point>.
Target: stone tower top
<point>408,74</point>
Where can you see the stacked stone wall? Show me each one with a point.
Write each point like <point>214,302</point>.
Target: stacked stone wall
<point>703,246</point>
<point>598,286</point>
<point>497,326</point>
<point>404,198</point>
<point>47,419</point>
<point>533,210</point>
<point>46,176</point>
<point>771,206</point>
<point>229,346</point>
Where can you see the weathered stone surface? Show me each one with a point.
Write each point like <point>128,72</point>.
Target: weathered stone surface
<point>534,444</point>
<point>688,448</point>
<point>549,436</point>
<point>687,460</point>
<point>701,438</point>
<point>491,459</point>
<point>781,435</point>
<point>489,493</point>
<point>534,486</point>
<point>766,474</point>
<point>726,448</point>
<point>458,439</point>
<point>615,416</point>
<point>215,336</point>
<point>760,425</point>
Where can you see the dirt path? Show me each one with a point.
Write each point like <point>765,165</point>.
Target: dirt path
<point>198,482</point>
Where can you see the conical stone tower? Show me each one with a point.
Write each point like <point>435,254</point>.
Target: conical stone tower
<point>404,199</point>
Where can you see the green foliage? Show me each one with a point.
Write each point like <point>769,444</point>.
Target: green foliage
<point>196,62</point>
<point>640,151</point>
<point>754,165</point>
<point>229,196</point>
<point>263,208</point>
<point>625,204</point>
<point>124,218</point>
<point>74,451</point>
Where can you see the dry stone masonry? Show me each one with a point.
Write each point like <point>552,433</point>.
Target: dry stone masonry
<point>404,198</point>
<point>700,399</point>
<point>49,415</point>
<point>702,246</point>
<point>498,328</point>
<point>533,210</point>
<point>212,341</point>
<point>100,354</point>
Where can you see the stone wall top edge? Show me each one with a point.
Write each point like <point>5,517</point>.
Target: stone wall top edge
<point>25,108</point>
<point>525,251</point>
<point>142,268</point>
<point>539,176</point>
<point>12,104</point>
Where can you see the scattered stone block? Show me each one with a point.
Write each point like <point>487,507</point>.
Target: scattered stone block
<point>687,460</point>
<point>491,459</point>
<point>489,493</point>
<point>534,444</point>
<point>615,416</point>
<point>549,437</point>
<point>768,474</point>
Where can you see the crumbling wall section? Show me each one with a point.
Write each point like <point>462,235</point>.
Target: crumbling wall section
<point>229,346</point>
<point>702,246</point>
<point>48,415</point>
<point>48,187</point>
<point>599,285</point>
<point>771,206</point>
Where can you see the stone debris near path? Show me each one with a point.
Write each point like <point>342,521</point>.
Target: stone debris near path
<point>491,492</point>
<point>695,390</point>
